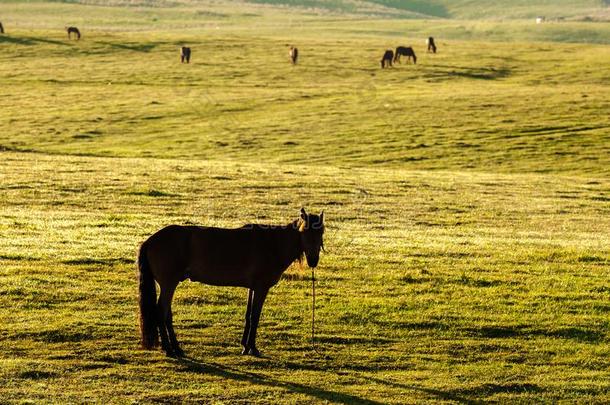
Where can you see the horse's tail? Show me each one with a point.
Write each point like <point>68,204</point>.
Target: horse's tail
<point>148,302</point>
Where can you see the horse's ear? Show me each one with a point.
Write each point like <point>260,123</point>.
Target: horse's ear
<point>303,214</point>
<point>322,216</point>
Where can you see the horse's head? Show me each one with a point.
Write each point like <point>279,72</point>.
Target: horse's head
<point>311,227</point>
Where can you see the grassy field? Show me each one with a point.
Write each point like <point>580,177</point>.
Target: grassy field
<point>467,199</point>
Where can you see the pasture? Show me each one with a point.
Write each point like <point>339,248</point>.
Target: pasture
<point>467,201</point>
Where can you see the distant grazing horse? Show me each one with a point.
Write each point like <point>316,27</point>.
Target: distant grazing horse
<point>73,30</point>
<point>253,256</point>
<point>294,54</point>
<point>1,29</point>
<point>387,58</point>
<point>431,45</point>
<point>185,54</point>
<point>406,51</point>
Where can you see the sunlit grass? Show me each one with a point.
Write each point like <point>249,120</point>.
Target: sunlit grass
<point>436,285</point>
<point>467,200</point>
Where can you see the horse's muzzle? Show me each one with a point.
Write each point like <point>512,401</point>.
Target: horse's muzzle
<point>313,263</point>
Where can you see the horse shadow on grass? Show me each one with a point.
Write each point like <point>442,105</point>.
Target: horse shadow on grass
<point>194,365</point>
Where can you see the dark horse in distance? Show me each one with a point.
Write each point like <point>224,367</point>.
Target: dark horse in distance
<point>294,54</point>
<point>185,54</point>
<point>406,51</point>
<point>73,30</point>
<point>1,29</point>
<point>386,60</point>
<point>253,256</point>
<point>431,45</point>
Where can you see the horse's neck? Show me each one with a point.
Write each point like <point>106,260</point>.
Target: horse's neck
<point>288,244</point>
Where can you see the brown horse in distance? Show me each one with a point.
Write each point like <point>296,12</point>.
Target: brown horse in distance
<point>431,45</point>
<point>406,51</point>
<point>386,60</point>
<point>294,54</point>
<point>73,30</point>
<point>253,257</point>
<point>185,54</point>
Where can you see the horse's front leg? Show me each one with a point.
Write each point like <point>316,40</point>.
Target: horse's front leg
<point>257,307</point>
<point>244,338</point>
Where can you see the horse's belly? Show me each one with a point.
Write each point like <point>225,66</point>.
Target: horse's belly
<point>225,276</point>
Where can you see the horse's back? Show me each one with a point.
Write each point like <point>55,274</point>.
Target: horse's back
<point>211,255</point>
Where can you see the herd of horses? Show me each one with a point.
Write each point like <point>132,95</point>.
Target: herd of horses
<point>389,56</point>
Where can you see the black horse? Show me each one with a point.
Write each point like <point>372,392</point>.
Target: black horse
<point>253,256</point>
<point>1,29</point>
<point>185,54</point>
<point>386,60</point>
<point>406,51</point>
<point>431,45</point>
<point>294,54</point>
<point>73,30</point>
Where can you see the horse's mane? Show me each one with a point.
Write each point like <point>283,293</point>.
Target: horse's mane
<point>296,224</point>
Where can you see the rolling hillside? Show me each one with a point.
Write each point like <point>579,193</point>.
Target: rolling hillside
<point>466,199</point>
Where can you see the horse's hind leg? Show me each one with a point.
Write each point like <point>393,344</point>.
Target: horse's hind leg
<point>172,335</point>
<point>164,320</point>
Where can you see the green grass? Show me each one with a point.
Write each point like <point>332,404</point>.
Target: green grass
<point>436,285</point>
<point>480,105</point>
<point>467,200</point>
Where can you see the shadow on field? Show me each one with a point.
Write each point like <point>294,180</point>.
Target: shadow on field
<point>29,41</point>
<point>481,73</point>
<point>132,47</point>
<point>580,334</point>
<point>254,378</point>
<point>440,395</point>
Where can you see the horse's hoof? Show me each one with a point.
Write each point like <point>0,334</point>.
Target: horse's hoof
<point>170,353</point>
<point>179,352</point>
<point>254,352</point>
